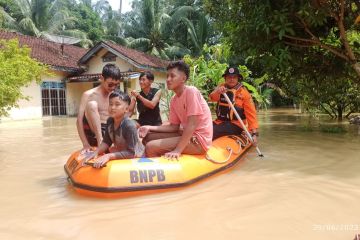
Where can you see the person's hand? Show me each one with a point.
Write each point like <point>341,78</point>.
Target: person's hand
<point>221,90</point>
<point>173,155</point>
<point>86,156</point>
<point>86,148</point>
<point>255,142</point>
<point>135,93</point>
<point>143,131</point>
<point>101,161</point>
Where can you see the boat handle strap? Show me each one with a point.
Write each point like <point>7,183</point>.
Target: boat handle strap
<point>229,149</point>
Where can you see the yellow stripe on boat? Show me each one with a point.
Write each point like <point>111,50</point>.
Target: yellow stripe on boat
<point>144,175</point>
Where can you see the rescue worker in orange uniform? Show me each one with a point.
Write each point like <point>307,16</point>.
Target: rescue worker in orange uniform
<point>226,122</point>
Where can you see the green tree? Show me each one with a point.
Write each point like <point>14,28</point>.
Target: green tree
<point>279,33</point>
<point>334,93</point>
<point>17,70</point>
<point>193,28</point>
<point>88,21</point>
<point>206,70</point>
<point>42,17</point>
<point>8,11</point>
<point>149,29</point>
<point>206,73</point>
<point>310,49</point>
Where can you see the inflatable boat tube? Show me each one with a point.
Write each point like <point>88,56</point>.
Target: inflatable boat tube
<point>145,175</point>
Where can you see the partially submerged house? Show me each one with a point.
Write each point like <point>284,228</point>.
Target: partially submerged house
<point>75,70</point>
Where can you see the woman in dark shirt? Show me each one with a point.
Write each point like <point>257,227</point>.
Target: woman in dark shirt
<point>147,101</point>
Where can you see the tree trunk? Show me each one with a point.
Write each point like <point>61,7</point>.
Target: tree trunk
<point>356,67</point>
<point>339,113</point>
<point>349,113</point>
<point>343,37</point>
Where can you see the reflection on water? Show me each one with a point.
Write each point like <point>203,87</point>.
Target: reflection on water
<point>306,187</point>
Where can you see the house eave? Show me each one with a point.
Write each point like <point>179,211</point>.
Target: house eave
<point>96,48</point>
<point>69,70</point>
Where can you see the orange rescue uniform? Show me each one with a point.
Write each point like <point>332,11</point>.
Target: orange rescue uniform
<point>243,100</point>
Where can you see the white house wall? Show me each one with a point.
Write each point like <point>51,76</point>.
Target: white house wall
<point>96,64</point>
<point>32,109</point>
<point>27,109</point>
<point>74,92</point>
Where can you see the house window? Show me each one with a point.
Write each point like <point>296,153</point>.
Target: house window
<point>109,57</point>
<point>53,98</point>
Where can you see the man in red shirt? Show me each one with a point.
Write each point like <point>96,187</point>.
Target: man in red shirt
<point>190,130</point>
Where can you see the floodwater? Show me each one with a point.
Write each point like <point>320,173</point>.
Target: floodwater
<point>306,187</point>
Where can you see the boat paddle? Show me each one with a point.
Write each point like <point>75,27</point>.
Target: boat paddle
<point>242,123</point>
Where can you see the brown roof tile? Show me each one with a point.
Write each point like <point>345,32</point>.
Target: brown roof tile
<point>49,52</point>
<point>139,57</point>
<point>86,77</point>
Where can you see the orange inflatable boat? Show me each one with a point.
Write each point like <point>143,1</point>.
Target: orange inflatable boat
<point>145,175</point>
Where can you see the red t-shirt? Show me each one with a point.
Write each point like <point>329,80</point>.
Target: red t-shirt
<point>192,103</point>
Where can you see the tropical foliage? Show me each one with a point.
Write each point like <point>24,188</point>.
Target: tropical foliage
<point>206,73</point>
<point>295,42</point>
<point>306,51</point>
<point>17,70</point>
<point>41,18</point>
<point>165,30</point>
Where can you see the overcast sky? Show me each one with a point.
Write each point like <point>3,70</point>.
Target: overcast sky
<point>116,3</point>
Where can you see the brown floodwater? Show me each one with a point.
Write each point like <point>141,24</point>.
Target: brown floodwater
<point>306,187</point>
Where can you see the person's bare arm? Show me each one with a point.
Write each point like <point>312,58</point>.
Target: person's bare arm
<point>79,121</point>
<point>91,155</point>
<point>151,104</point>
<point>165,128</point>
<point>144,130</point>
<point>132,106</point>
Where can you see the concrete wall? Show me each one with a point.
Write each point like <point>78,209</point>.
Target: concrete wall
<point>160,77</point>
<point>32,109</point>
<point>27,109</point>
<point>74,92</point>
<point>96,64</point>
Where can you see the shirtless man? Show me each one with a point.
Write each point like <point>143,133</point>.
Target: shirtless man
<point>94,108</point>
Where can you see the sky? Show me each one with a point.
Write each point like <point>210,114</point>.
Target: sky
<point>116,3</point>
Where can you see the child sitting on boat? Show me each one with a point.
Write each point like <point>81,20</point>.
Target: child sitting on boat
<point>121,131</point>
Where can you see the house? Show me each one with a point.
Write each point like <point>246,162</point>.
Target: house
<point>131,62</point>
<point>75,70</point>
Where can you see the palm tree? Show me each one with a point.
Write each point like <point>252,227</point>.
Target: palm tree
<point>42,17</point>
<point>197,31</point>
<point>101,7</point>
<point>151,31</point>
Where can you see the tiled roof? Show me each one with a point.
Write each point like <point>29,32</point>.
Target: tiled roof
<point>95,77</point>
<point>139,57</point>
<point>49,52</point>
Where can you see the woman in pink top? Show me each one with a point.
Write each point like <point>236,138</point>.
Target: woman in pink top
<point>189,112</point>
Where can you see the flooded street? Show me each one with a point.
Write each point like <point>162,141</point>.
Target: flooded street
<point>306,187</point>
